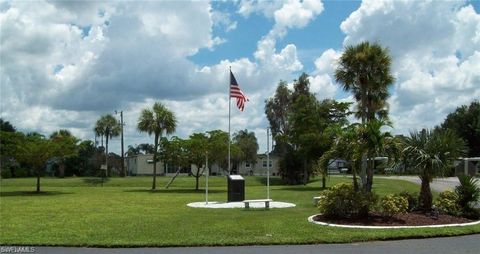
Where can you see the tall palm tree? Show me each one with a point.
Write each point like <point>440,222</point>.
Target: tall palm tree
<point>157,121</point>
<point>431,152</point>
<point>364,70</point>
<point>108,126</point>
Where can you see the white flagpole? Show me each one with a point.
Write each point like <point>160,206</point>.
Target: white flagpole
<point>229,113</point>
<point>268,163</point>
<point>208,172</point>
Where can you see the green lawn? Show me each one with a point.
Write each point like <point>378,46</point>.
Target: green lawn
<point>78,212</point>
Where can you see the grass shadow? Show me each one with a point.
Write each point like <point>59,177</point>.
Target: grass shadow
<point>273,181</point>
<point>303,188</point>
<point>31,193</point>
<point>178,191</point>
<point>95,181</point>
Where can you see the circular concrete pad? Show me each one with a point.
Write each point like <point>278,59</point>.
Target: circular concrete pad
<point>215,204</point>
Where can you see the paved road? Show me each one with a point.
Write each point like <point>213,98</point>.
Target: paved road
<point>438,184</point>
<point>457,245</point>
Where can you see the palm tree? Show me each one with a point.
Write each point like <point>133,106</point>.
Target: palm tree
<point>373,141</point>
<point>364,70</point>
<point>109,127</point>
<point>346,145</point>
<point>157,121</point>
<point>431,152</point>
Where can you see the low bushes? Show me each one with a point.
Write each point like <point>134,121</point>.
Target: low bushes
<point>447,202</point>
<point>342,201</point>
<point>393,204</point>
<point>412,199</point>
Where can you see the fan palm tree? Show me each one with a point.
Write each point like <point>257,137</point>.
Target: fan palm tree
<point>157,121</point>
<point>431,151</point>
<point>108,126</point>
<point>364,70</point>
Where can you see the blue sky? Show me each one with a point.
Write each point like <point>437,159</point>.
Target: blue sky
<point>321,34</point>
<point>64,64</point>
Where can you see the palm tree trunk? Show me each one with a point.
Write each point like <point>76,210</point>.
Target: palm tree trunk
<point>106,156</point>
<point>154,184</point>
<point>364,162</point>
<point>425,194</point>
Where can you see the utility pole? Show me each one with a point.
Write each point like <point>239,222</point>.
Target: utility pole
<point>123,154</point>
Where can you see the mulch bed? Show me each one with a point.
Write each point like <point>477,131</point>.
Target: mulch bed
<point>409,219</point>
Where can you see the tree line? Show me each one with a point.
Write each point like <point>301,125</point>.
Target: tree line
<point>31,154</point>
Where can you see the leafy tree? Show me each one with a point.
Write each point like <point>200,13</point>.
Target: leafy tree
<point>6,126</point>
<point>35,152</point>
<point>146,148</point>
<point>306,135</point>
<point>300,124</point>
<point>218,148</point>
<point>197,149</point>
<point>277,110</point>
<point>108,127</point>
<point>86,154</point>
<point>140,149</point>
<point>10,143</point>
<point>365,70</point>
<point>157,121</point>
<point>132,150</point>
<point>66,143</point>
<point>465,122</point>
<point>248,145</point>
<point>174,151</point>
<point>432,151</point>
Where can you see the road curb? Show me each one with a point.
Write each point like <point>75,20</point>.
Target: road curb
<point>310,219</point>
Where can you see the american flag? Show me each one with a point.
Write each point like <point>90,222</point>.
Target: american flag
<point>235,92</point>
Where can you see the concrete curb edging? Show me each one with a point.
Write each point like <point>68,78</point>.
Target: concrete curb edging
<point>241,205</point>
<point>310,219</point>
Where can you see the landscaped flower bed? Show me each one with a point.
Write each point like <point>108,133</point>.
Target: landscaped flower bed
<point>407,219</point>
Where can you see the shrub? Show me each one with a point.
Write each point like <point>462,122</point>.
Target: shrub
<point>6,172</point>
<point>412,199</point>
<point>342,201</point>
<point>468,194</point>
<point>393,204</point>
<point>447,202</point>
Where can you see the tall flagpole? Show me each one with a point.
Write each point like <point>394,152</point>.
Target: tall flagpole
<point>206,184</point>
<point>268,163</point>
<point>229,112</point>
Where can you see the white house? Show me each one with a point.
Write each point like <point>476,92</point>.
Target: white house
<point>142,164</point>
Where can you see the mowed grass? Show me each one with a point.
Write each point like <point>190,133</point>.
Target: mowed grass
<point>124,212</point>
